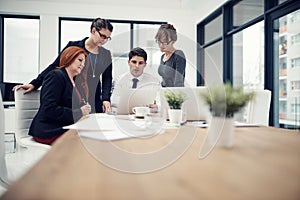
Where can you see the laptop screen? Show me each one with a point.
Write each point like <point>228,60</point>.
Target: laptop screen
<point>129,98</point>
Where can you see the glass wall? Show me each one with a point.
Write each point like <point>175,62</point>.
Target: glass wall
<point>248,57</point>
<point>129,34</point>
<point>210,71</point>
<point>258,49</point>
<point>73,31</point>
<point>20,59</point>
<point>247,10</point>
<point>287,41</point>
<point>121,35</point>
<point>144,35</point>
<point>214,61</point>
<point>213,29</point>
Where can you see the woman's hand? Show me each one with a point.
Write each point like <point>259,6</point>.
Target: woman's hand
<point>86,109</point>
<point>106,106</point>
<point>27,87</point>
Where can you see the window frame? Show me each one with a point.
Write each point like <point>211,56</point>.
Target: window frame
<point>272,10</point>
<point>131,22</point>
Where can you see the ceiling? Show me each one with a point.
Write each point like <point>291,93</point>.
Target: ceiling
<point>170,4</point>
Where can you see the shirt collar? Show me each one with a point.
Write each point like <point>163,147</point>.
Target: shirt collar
<point>139,78</point>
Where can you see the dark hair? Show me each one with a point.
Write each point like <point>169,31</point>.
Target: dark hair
<point>99,24</point>
<point>166,31</point>
<point>138,52</point>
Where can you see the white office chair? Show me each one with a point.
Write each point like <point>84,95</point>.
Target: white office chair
<point>259,108</point>
<point>3,169</point>
<point>26,106</point>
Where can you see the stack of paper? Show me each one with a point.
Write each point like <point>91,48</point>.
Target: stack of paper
<point>110,127</point>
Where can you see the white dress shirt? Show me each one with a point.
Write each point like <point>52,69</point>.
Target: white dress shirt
<point>125,82</point>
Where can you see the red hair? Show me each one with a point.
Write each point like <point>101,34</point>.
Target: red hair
<point>67,57</point>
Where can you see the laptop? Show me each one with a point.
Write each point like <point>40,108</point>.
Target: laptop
<point>130,98</point>
<point>194,108</point>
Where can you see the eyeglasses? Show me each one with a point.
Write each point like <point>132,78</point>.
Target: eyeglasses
<point>104,37</point>
<point>163,43</point>
<point>140,62</point>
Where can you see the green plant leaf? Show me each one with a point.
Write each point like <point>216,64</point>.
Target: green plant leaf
<point>175,100</point>
<point>225,100</point>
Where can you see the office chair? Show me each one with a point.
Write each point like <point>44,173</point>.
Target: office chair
<point>26,106</point>
<point>259,108</point>
<point>3,169</point>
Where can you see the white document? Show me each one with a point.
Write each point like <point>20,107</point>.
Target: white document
<point>109,127</point>
<point>244,124</point>
<point>203,124</point>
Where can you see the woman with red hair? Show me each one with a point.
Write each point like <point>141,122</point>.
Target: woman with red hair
<point>63,98</point>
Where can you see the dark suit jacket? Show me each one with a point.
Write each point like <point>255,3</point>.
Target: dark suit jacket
<point>58,106</point>
<point>98,91</point>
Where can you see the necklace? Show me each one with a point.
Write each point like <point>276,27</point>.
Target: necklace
<point>167,56</point>
<point>93,65</point>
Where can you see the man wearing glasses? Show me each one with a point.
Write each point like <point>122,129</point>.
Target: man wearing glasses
<point>99,65</point>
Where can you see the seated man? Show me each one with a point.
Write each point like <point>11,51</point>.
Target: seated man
<point>136,77</point>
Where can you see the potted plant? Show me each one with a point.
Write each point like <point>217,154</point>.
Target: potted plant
<point>175,101</point>
<point>224,101</point>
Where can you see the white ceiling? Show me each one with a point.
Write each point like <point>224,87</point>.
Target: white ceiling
<point>170,4</point>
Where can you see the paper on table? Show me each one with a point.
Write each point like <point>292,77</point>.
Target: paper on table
<point>94,122</point>
<point>244,124</point>
<point>108,127</point>
<point>202,124</point>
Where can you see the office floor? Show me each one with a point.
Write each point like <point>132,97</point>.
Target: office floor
<point>19,162</point>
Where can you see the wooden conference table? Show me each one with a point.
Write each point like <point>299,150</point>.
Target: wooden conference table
<point>264,163</point>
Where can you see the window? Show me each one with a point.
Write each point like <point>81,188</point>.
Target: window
<point>210,50</point>
<point>295,85</point>
<point>73,31</point>
<point>213,58</point>
<point>282,110</point>
<point>282,63</point>
<point>246,10</point>
<point>282,25</point>
<point>142,34</point>
<point>248,57</point>
<point>120,35</point>
<point>295,17</point>
<point>281,1</point>
<point>144,37</point>
<point>295,62</point>
<point>282,89</point>
<point>21,58</point>
<point>295,108</point>
<point>295,39</point>
<point>282,67</point>
<point>282,45</point>
<point>258,48</point>
<point>288,65</point>
<point>213,29</point>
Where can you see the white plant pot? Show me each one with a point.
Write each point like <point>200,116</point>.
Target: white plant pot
<point>220,131</point>
<point>175,116</point>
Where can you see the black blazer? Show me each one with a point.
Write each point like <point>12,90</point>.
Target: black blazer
<point>98,91</point>
<point>59,107</point>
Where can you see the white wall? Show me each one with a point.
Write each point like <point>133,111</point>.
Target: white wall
<point>184,14</point>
